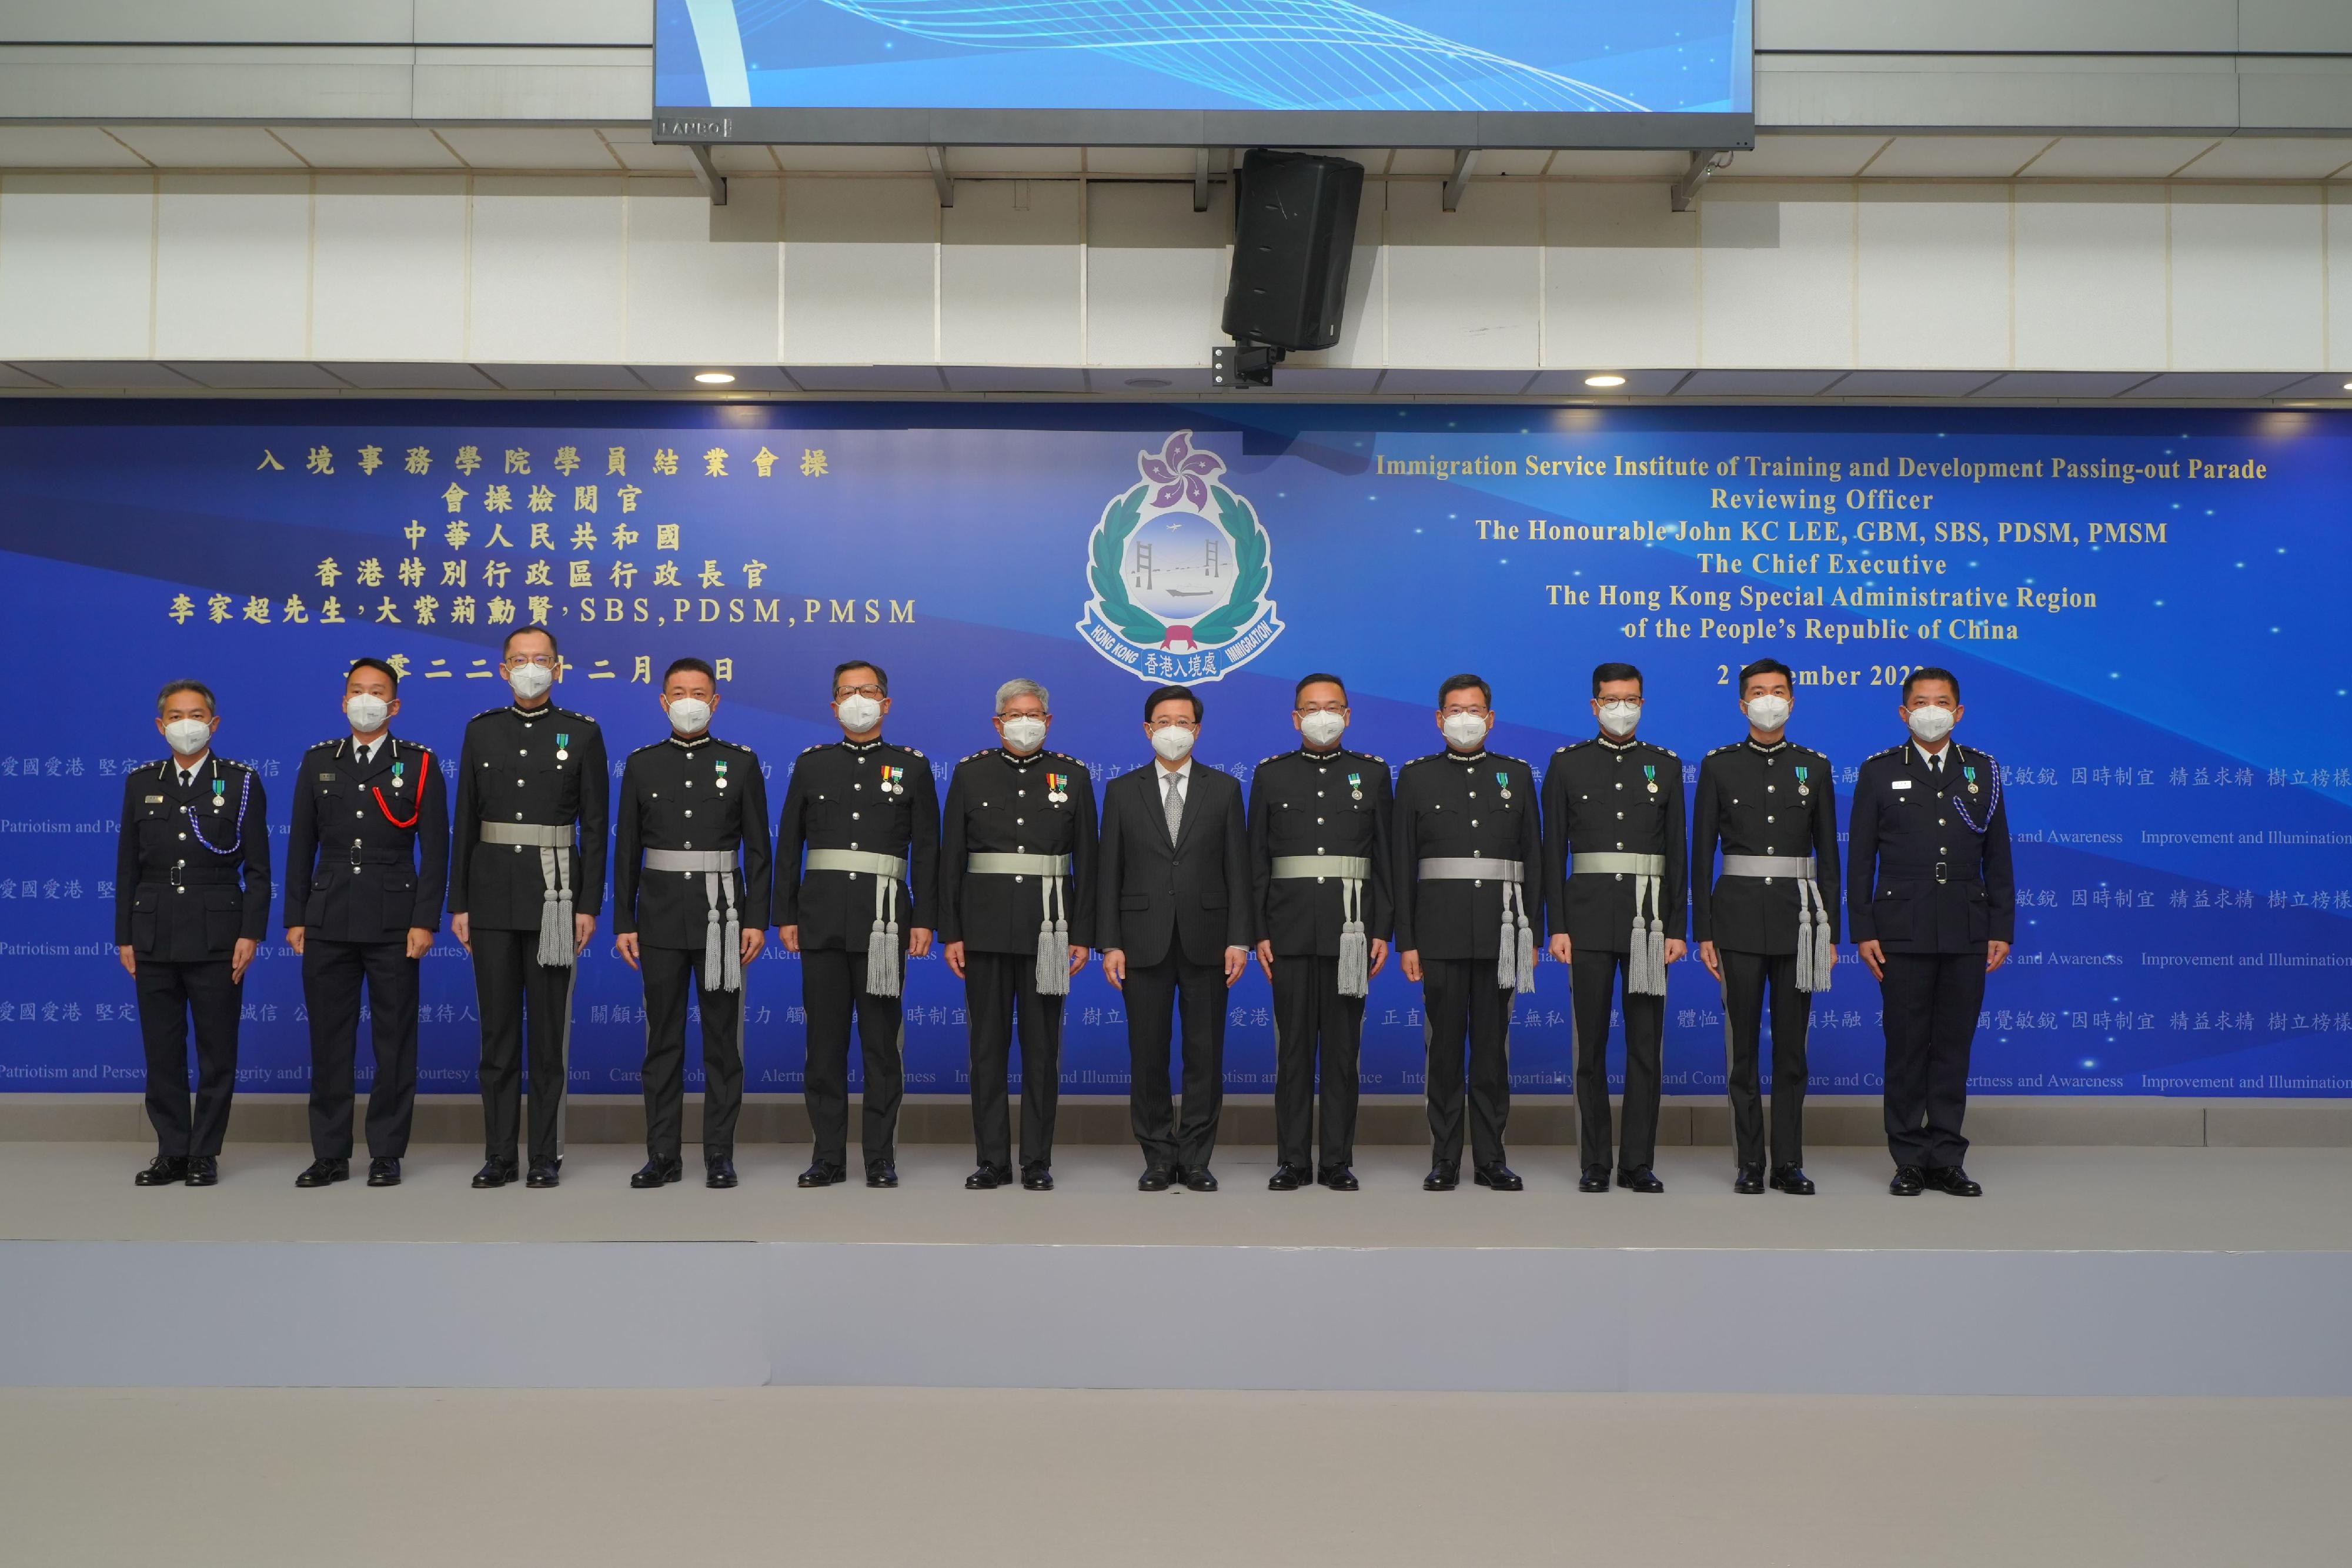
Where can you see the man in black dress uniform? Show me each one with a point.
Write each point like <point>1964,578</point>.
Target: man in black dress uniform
<point>1173,916</point>
<point>1469,909</point>
<point>1017,918</point>
<point>1773,918</point>
<point>191,902</point>
<point>1318,820</point>
<point>365,873</point>
<point>685,913</point>
<point>1934,909</point>
<point>526,880</point>
<point>864,810</point>
<point>1615,856</point>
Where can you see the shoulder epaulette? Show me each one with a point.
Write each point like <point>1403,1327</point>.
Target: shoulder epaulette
<point>978,755</point>
<point>1732,747</point>
<point>487,712</point>
<point>911,751</point>
<point>1426,756</point>
<point>820,745</point>
<point>1890,751</point>
<point>1575,745</point>
<point>651,746</point>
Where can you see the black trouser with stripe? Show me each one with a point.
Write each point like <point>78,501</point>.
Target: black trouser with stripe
<point>510,982</point>
<point>669,973</point>
<point>1931,1002</point>
<point>1000,991</point>
<point>1469,1017</point>
<point>1313,1025</point>
<point>332,974</point>
<point>171,996</point>
<point>1593,974</point>
<point>1744,977</point>
<point>833,990</point>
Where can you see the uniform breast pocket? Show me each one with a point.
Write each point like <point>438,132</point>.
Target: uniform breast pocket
<point>224,916</point>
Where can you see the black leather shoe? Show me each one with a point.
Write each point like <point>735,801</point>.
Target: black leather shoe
<point>1500,1176</point>
<point>547,1173</point>
<point>1155,1178</point>
<point>1441,1177</point>
<point>883,1174</point>
<point>1749,1181</point>
<point>987,1179</point>
<point>1199,1180</point>
<point>1907,1182</point>
<point>324,1173</point>
<point>204,1170</point>
<point>163,1170</point>
<point>1792,1179</point>
<point>1594,1178</point>
<point>495,1172</point>
<point>1286,1178</point>
<point>823,1175</point>
<point>1952,1179</point>
<point>1642,1180</point>
<point>1339,1179</point>
<point>1037,1178</point>
<point>384,1171</point>
<point>655,1173</point>
<point>719,1172</point>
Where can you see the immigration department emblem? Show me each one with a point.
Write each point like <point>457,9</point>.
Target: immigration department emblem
<point>1179,566</point>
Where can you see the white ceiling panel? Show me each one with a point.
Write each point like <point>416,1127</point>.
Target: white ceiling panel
<point>2271,158</point>
<point>1756,383</point>
<point>2117,157</point>
<point>529,147</point>
<point>868,378</point>
<point>1426,161</point>
<point>1956,157</point>
<point>634,146</point>
<point>368,146</point>
<point>1516,163</point>
<point>744,160</point>
<point>208,146</point>
<point>1014,160</point>
<point>63,147</point>
<point>1805,156</point>
<point>256,375</point>
<point>98,375</point>
<point>564,378</point>
<point>403,376</point>
<point>1167,160</point>
<point>1911,384</point>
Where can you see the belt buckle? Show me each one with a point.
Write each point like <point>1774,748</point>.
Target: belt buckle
<point>1940,873</point>
<point>357,855</point>
<point>174,878</point>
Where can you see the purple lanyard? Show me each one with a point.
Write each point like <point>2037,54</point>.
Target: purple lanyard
<point>1959,807</point>
<point>244,794</point>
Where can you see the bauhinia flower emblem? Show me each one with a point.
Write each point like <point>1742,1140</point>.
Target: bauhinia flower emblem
<point>1181,471</point>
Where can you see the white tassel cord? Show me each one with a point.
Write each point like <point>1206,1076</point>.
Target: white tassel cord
<point>1355,948</point>
<point>1054,941</point>
<point>555,916</point>
<point>1815,952</point>
<point>731,964</point>
<point>882,942</point>
<point>1525,948</point>
<point>1637,953</point>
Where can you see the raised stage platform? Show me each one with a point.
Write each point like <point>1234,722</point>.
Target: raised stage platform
<point>2082,1271</point>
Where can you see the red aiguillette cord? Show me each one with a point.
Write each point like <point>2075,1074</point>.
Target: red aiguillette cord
<point>424,761</point>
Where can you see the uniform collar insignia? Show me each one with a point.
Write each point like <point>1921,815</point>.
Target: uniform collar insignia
<point>1466,757</point>
<point>1766,748</point>
<point>1625,745</point>
<point>1017,760</point>
<point>860,746</point>
<point>685,744</point>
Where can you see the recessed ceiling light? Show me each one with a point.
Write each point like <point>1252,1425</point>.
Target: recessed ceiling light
<point>2347,386</point>
<point>1604,381</point>
<point>714,378</point>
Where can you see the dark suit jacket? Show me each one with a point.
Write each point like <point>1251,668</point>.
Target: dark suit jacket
<point>1193,894</point>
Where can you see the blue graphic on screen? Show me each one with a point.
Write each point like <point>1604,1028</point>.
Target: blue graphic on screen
<point>2139,606</point>
<point>1401,56</point>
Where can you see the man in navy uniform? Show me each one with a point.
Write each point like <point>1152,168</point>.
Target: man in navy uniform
<point>366,870</point>
<point>1773,918</point>
<point>1318,820</point>
<point>864,900</point>
<point>1469,910</point>
<point>1934,909</point>
<point>526,881</point>
<point>191,902</point>
<point>1017,918</point>
<point>1173,917</point>
<point>685,913</point>
<point>1615,856</point>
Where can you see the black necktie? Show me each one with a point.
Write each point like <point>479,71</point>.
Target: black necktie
<point>1935,767</point>
<point>187,779</point>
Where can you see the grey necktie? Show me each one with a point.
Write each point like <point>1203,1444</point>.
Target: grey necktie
<point>1175,804</point>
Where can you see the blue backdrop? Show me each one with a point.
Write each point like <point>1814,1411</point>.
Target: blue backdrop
<point>2145,609</point>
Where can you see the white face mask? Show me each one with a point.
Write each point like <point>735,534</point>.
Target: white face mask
<point>530,681</point>
<point>1769,713</point>
<point>188,735</point>
<point>1323,728</point>
<point>1619,718</point>
<point>1024,735</point>
<point>367,712</point>
<point>1173,741</point>
<point>858,713</point>
<point>1929,724</point>
<point>689,715</point>
<point>1465,730</point>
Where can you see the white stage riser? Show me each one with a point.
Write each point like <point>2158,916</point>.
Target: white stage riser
<point>715,1315</point>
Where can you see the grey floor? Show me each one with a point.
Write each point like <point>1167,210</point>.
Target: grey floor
<point>907,1478</point>
<point>2194,1199</point>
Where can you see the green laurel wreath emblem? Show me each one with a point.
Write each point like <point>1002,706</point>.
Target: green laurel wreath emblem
<point>1221,625</point>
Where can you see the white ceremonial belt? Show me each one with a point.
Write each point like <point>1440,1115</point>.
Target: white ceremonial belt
<point>892,867</point>
<point>690,859</point>
<point>1469,868</point>
<point>543,834</point>
<point>1290,868</point>
<point>994,863</point>
<point>1609,862</point>
<point>1768,865</point>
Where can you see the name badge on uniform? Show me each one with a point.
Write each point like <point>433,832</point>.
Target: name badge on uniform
<point>153,800</point>
<point>1899,783</point>
<point>563,741</point>
<point>1356,788</point>
<point>330,777</point>
<point>721,766</point>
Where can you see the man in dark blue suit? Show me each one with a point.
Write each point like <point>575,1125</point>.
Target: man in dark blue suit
<point>1173,919</point>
